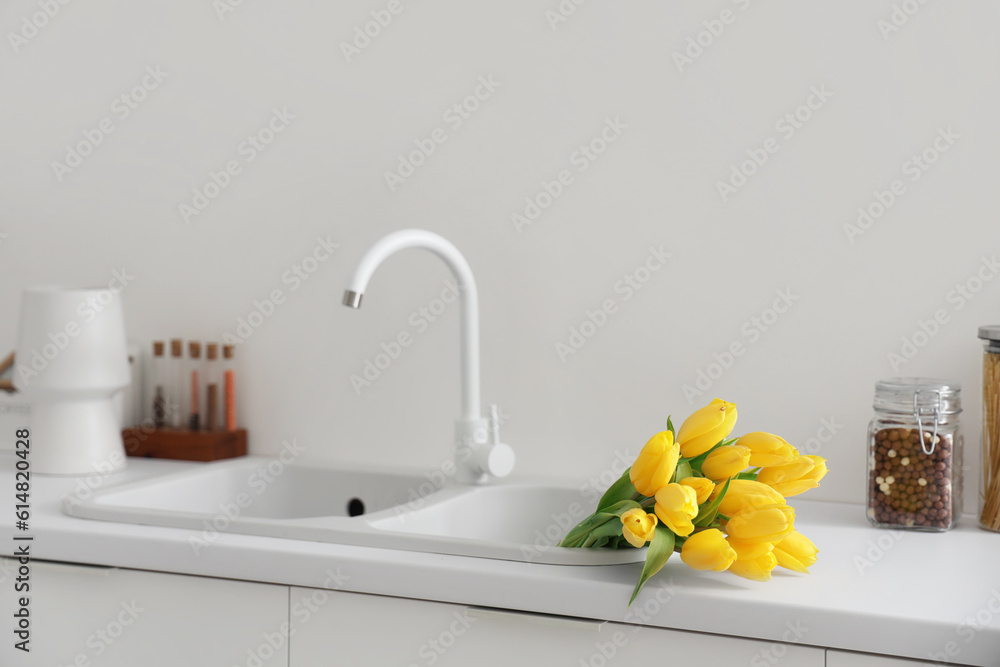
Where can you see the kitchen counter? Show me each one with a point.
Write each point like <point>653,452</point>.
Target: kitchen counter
<point>929,596</point>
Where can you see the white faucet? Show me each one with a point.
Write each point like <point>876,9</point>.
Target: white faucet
<point>478,451</point>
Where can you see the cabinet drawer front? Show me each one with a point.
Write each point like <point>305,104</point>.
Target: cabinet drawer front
<point>368,630</point>
<point>109,617</point>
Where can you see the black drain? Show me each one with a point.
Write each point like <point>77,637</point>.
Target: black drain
<point>355,507</point>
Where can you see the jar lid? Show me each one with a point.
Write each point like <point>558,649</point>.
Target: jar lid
<point>907,395</point>
<point>990,332</point>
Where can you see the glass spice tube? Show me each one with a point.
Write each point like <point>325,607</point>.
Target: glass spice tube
<point>158,372</point>
<point>176,385</point>
<point>989,489</point>
<point>213,376</point>
<point>195,376</point>
<point>229,378</point>
<point>915,455</point>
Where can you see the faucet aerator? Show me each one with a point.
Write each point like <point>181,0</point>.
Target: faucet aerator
<point>352,299</point>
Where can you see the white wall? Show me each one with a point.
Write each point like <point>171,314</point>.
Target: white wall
<point>656,185</point>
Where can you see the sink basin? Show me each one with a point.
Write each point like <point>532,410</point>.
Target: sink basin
<point>257,488</point>
<point>261,496</point>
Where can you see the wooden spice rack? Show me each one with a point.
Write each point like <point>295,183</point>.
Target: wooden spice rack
<point>185,445</point>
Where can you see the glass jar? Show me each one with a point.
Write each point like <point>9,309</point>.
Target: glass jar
<point>989,481</point>
<point>915,455</point>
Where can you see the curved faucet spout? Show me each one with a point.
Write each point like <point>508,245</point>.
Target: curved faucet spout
<point>468,297</point>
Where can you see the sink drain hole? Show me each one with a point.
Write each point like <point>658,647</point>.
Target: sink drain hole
<point>355,507</point>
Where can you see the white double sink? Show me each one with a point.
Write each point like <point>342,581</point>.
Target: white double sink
<point>394,510</point>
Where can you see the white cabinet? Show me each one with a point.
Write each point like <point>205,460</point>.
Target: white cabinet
<point>360,630</point>
<point>88,616</point>
<point>836,658</point>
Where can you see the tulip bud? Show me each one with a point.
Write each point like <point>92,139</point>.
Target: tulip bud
<point>767,449</point>
<point>754,560</point>
<point>796,552</point>
<point>706,427</point>
<point>701,485</point>
<point>797,477</point>
<point>725,462</point>
<point>638,527</point>
<point>769,523</point>
<point>677,506</point>
<point>655,465</point>
<point>743,493</point>
<point>708,550</point>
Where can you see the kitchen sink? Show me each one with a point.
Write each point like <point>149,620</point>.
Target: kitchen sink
<point>388,509</point>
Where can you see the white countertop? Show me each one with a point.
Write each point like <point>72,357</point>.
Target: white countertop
<point>898,593</point>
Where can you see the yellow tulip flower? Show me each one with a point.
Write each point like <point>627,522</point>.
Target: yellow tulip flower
<point>795,552</point>
<point>706,427</point>
<point>745,493</point>
<point>701,485</point>
<point>638,526</point>
<point>725,462</point>
<point>708,550</point>
<point>656,463</point>
<point>754,560</point>
<point>797,477</point>
<point>767,449</point>
<point>769,523</point>
<point>677,506</point>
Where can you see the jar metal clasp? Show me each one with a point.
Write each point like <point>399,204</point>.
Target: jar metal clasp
<point>935,411</point>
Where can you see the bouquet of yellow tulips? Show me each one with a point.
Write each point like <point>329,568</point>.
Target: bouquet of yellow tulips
<point>719,502</point>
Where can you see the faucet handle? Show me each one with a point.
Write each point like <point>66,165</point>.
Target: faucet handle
<point>499,457</point>
<point>480,450</point>
<point>496,459</point>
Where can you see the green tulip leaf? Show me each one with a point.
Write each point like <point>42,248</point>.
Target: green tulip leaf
<point>660,549</point>
<point>746,475</point>
<point>620,490</point>
<point>683,470</point>
<point>670,427</point>
<point>603,534</point>
<point>580,535</point>
<point>708,512</point>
